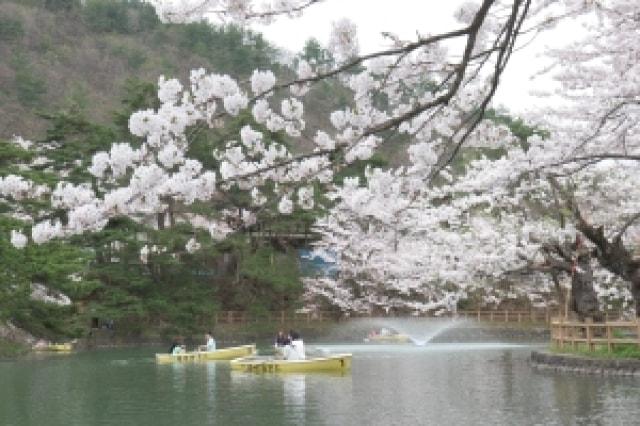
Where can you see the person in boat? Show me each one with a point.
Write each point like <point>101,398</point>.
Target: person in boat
<point>210,344</point>
<point>282,340</point>
<point>295,349</point>
<point>280,344</point>
<point>177,347</point>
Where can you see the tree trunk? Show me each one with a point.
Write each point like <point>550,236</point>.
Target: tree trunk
<point>160,220</point>
<point>611,253</point>
<point>635,288</point>
<point>559,291</point>
<point>584,300</point>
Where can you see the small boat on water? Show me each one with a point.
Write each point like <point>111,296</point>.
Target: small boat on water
<point>219,354</point>
<point>386,335</point>
<point>54,347</point>
<point>389,338</point>
<point>338,362</point>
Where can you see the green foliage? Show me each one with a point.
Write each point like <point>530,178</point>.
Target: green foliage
<point>142,16</point>
<point>119,16</point>
<point>231,49</point>
<point>619,351</point>
<point>28,85</point>
<point>175,293</point>
<point>278,270</point>
<point>104,16</point>
<point>11,154</point>
<point>314,53</point>
<point>10,29</point>
<point>135,57</point>
<point>138,95</point>
<point>63,5</point>
<point>10,349</point>
<point>270,279</point>
<point>77,139</point>
<point>47,320</point>
<point>50,264</point>
<point>175,290</point>
<point>517,126</point>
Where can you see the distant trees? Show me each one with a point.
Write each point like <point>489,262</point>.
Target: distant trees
<point>119,16</point>
<point>63,5</point>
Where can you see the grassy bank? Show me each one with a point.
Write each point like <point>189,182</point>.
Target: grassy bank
<point>11,349</point>
<point>618,352</point>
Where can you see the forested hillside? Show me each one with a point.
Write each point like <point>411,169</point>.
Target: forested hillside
<point>60,56</point>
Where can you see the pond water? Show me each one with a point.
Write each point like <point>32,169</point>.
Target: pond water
<point>438,383</point>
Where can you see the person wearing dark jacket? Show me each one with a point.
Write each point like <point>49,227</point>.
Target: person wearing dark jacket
<point>282,339</point>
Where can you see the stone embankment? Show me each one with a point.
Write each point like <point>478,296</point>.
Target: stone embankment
<point>585,365</point>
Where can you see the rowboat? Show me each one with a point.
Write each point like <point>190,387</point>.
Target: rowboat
<point>219,355</point>
<point>388,338</point>
<point>338,362</point>
<point>54,347</point>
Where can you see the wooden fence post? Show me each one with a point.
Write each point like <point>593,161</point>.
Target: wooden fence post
<point>609,344</point>
<point>561,333</point>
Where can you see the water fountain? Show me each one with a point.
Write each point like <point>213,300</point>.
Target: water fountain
<point>414,335</point>
<point>418,331</point>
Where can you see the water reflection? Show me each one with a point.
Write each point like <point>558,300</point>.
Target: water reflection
<point>210,371</point>
<point>294,391</point>
<point>178,376</point>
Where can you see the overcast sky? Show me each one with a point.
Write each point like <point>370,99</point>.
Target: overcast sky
<point>405,17</point>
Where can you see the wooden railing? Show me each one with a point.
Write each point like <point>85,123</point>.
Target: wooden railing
<point>293,231</point>
<point>282,317</point>
<point>592,335</point>
<point>491,315</point>
<point>506,315</point>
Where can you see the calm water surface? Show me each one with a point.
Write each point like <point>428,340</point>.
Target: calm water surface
<point>389,385</point>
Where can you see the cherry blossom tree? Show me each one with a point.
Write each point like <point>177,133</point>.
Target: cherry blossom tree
<point>425,232</point>
<point>422,90</point>
<point>593,165</point>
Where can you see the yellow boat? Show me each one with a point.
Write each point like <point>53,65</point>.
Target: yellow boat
<point>55,347</point>
<point>220,354</point>
<point>338,362</point>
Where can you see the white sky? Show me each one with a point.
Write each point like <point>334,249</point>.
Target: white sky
<point>404,18</point>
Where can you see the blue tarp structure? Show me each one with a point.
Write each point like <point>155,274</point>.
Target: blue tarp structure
<point>316,264</point>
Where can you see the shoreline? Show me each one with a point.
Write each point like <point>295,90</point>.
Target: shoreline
<point>263,334</point>
<point>571,363</point>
